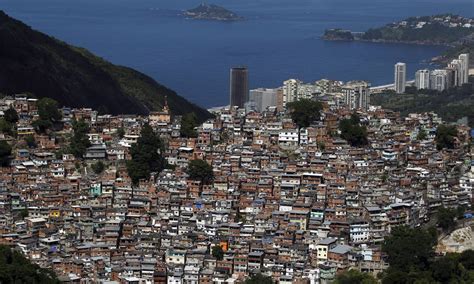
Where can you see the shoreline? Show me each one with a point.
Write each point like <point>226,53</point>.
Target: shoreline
<point>439,59</point>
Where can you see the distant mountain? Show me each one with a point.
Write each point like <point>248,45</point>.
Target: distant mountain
<point>211,12</point>
<point>31,61</point>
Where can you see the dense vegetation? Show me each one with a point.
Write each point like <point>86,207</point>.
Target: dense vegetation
<point>15,268</point>
<point>354,276</point>
<point>259,279</point>
<point>412,259</point>
<point>353,132</point>
<point>304,112</point>
<point>98,167</point>
<point>445,136</point>
<point>338,34</point>
<point>79,141</point>
<point>34,62</point>
<point>200,170</point>
<point>453,52</point>
<point>218,252</point>
<point>452,104</point>
<point>5,153</point>
<point>48,113</point>
<point>188,126</point>
<point>435,33</point>
<point>146,155</point>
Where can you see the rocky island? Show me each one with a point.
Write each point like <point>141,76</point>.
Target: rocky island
<point>211,12</point>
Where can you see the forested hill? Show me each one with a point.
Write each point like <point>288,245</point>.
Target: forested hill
<point>452,104</point>
<point>446,29</point>
<point>37,63</point>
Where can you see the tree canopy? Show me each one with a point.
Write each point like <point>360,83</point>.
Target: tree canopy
<point>445,218</point>
<point>5,152</point>
<point>200,170</point>
<point>259,279</point>
<point>98,167</point>
<point>6,127</point>
<point>188,124</point>
<point>218,252</point>
<point>15,268</point>
<point>11,115</point>
<point>304,112</point>
<point>354,133</point>
<point>49,114</point>
<point>412,260</point>
<point>445,136</point>
<point>146,155</point>
<point>354,276</point>
<point>407,247</point>
<point>79,141</point>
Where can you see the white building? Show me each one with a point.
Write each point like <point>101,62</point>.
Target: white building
<point>356,95</point>
<point>438,80</point>
<point>290,90</point>
<point>263,98</point>
<point>288,137</point>
<point>422,79</point>
<point>460,68</point>
<point>464,59</point>
<point>400,77</point>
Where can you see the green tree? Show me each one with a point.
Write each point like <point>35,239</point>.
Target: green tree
<point>304,112</point>
<point>445,218</point>
<point>5,153</point>
<point>11,115</point>
<point>6,127</point>
<point>421,135</point>
<point>218,252</point>
<point>24,213</point>
<point>259,279</point>
<point>146,155</point>
<point>98,167</point>
<point>354,276</point>
<point>120,132</point>
<point>48,109</point>
<point>15,268</point>
<point>49,114</point>
<point>354,133</point>
<point>79,141</point>
<point>188,125</point>
<point>200,170</point>
<point>445,136</point>
<point>409,248</point>
<point>30,141</point>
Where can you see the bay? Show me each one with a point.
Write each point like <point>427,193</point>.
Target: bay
<point>278,40</point>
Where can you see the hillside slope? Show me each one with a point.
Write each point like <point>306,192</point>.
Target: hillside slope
<point>451,105</point>
<point>34,62</point>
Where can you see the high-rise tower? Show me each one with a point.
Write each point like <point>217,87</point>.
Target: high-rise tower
<point>400,77</point>
<point>239,86</point>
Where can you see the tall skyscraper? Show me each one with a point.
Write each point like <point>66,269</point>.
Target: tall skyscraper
<point>422,79</point>
<point>239,86</point>
<point>456,67</point>
<point>464,59</point>
<point>400,77</point>
<point>438,80</point>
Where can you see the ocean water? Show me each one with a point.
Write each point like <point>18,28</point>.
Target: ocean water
<point>279,39</point>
